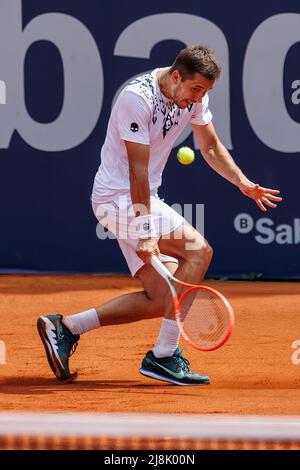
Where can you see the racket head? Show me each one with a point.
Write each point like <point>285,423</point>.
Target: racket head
<point>209,321</point>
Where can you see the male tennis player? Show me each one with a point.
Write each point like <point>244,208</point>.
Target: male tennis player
<point>147,118</point>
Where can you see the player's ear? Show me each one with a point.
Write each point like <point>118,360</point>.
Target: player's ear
<point>176,77</point>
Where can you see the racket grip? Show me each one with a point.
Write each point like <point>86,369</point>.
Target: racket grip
<point>159,267</point>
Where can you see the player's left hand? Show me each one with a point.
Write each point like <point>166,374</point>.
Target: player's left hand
<point>262,196</point>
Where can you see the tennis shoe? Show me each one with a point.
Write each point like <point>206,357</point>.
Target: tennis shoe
<point>174,369</point>
<point>59,344</point>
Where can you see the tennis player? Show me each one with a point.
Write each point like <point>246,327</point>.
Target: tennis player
<point>147,118</point>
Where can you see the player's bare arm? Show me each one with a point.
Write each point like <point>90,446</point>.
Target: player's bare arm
<point>218,157</point>
<point>138,159</point>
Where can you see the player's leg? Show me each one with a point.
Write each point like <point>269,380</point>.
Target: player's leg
<point>136,306</point>
<point>61,334</point>
<point>165,361</point>
<point>192,251</point>
<point>193,264</point>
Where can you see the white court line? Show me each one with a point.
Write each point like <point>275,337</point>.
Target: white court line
<point>154,425</point>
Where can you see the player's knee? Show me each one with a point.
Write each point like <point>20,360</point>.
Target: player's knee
<point>207,251</point>
<point>202,255</point>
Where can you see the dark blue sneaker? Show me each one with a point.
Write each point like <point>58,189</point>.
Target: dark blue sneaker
<point>174,369</point>
<point>59,345</point>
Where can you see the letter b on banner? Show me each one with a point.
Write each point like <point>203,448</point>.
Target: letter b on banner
<point>83,78</point>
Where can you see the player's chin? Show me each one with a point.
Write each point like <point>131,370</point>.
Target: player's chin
<point>182,104</point>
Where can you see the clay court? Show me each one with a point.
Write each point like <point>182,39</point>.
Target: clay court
<point>252,374</point>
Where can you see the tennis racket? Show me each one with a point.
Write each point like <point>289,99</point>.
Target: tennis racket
<point>204,316</point>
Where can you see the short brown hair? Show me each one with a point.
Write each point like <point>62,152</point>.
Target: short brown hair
<point>197,59</point>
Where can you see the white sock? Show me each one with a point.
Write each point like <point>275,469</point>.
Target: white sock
<point>82,322</point>
<point>168,339</point>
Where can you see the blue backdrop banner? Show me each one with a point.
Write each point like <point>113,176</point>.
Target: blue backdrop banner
<point>61,66</point>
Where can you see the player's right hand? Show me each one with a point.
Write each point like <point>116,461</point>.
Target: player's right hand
<point>147,248</point>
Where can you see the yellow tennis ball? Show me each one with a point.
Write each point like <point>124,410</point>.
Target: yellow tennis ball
<point>185,155</point>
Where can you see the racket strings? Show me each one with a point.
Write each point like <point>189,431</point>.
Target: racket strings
<point>205,318</point>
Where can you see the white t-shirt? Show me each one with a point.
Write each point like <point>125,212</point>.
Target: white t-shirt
<point>144,115</point>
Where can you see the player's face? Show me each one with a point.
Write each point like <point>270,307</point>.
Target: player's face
<point>191,90</point>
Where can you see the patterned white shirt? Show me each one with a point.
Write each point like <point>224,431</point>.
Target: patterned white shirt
<point>142,114</point>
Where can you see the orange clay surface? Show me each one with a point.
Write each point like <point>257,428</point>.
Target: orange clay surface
<point>252,374</point>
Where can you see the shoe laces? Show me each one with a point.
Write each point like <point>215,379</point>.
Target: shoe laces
<point>183,362</point>
<point>73,348</point>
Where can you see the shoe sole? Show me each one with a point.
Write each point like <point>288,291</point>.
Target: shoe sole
<point>73,377</point>
<point>53,360</point>
<point>163,378</point>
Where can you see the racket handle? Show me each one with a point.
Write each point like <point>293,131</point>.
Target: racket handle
<point>160,268</point>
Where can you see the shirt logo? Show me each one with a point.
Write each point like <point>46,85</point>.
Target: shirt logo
<point>134,127</point>
<point>146,226</point>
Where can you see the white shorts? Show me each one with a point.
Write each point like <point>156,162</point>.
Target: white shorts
<point>117,216</point>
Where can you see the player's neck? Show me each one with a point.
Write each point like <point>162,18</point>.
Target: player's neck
<point>164,83</point>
